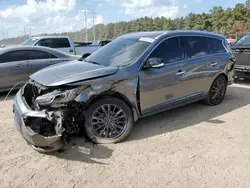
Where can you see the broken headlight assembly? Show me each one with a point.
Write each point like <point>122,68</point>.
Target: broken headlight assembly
<point>58,97</point>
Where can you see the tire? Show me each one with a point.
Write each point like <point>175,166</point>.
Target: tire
<point>212,99</point>
<point>97,121</point>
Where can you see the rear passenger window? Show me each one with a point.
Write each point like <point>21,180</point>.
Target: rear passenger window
<point>61,43</point>
<point>216,46</point>
<point>169,50</point>
<point>197,46</point>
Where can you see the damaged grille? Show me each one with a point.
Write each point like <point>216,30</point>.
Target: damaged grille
<point>41,126</point>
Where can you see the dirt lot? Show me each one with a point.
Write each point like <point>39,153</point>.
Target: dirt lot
<point>193,146</point>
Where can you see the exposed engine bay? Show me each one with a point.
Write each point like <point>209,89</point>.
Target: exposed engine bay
<point>63,115</point>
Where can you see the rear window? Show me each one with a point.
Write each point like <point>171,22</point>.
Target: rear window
<point>61,43</point>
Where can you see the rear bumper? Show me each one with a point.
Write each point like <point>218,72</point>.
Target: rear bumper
<point>21,112</point>
<point>230,76</point>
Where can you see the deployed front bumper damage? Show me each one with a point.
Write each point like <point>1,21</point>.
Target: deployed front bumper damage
<point>28,122</point>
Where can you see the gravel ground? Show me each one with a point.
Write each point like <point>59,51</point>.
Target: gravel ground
<point>193,146</point>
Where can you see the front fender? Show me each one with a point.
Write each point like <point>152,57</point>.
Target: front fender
<point>126,89</point>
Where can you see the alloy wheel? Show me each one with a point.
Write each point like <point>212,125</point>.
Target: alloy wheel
<point>218,90</point>
<point>108,121</point>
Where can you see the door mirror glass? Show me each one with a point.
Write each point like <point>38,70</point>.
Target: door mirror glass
<point>154,62</point>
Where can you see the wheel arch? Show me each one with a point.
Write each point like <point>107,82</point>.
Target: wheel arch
<point>222,74</point>
<point>117,95</point>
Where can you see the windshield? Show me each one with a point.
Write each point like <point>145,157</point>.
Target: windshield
<point>29,42</point>
<point>120,52</point>
<point>244,41</point>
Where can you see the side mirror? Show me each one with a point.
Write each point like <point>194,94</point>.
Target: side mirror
<point>154,62</point>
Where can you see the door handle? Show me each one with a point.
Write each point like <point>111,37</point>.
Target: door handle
<point>180,73</point>
<point>213,64</point>
<point>20,65</point>
<point>70,50</point>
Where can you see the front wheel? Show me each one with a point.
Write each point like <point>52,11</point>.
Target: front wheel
<point>108,120</point>
<point>217,91</point>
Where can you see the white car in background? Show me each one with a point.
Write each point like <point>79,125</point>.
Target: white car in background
<point>65,44</point>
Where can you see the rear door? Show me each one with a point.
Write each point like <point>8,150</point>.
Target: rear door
<point>205,58</point>
<point>39,60</point>
<point>13,69</point>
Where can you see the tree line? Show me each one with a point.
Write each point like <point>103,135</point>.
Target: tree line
<point>231,22</point>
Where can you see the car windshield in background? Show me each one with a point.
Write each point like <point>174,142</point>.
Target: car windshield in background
<point>29,42</point>
<point>244,41</point>
<point>120,52</point>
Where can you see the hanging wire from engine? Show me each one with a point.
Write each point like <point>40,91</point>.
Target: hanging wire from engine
<point>12,89</point>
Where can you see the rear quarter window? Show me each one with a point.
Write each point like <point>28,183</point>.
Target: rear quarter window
<point>216,46</point>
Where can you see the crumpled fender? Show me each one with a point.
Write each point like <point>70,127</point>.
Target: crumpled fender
<point>128,88</point>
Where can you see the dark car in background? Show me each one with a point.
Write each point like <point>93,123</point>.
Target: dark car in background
<point>18,63</point>
<point>134,76</point>
<point>241,50</point>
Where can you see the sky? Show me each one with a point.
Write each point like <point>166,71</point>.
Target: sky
<point>52,16</point>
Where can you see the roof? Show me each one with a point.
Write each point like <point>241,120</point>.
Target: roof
<point>158,34</point>
<point>49,37</point>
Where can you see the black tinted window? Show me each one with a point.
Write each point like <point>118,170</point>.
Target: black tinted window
<point>61,43</point>
<point>215,45</point>
<point>13,56</point>
<point>169,50</point>
<point>197,46</point>
<point>24,55</point>
<point>46,43</point>
<point>34,54</point>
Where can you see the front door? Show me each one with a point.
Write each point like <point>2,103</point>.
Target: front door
<point>163,86</point>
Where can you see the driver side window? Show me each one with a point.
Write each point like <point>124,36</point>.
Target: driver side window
<point>169,50</point>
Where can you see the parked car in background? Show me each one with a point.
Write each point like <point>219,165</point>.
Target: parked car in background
<point>132,77</point>
<point>18,63</point>
<point>65,44</point>
<point>241,50</point>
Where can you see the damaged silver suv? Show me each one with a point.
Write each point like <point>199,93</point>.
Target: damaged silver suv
<point>134,76</point>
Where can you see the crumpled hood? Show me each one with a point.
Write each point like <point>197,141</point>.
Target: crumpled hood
<point>72,71</point>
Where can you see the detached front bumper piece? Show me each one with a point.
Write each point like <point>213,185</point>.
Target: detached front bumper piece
<point>24,115</point>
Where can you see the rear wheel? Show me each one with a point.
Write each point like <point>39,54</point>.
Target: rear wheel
<point>217,91</point>
<point>108,120</point>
